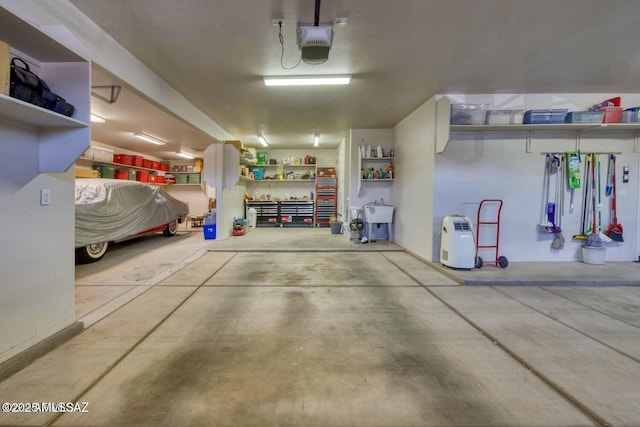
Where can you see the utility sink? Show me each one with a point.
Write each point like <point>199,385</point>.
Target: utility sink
<point>378,214</point>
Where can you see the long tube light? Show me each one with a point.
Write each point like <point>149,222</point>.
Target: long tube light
<point>316,140</point>
<point>97,119</point>
<point>148,138</point>
<point>185,155</point>
<point>263,141</point>
<point>307,80</point>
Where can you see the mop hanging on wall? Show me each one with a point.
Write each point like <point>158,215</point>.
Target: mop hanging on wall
<point>551,210</point>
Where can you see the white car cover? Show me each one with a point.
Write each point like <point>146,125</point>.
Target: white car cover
<point>114,209</point>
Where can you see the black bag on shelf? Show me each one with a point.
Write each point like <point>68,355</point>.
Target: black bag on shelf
<point>25,85</point>
<point>56,103</point>
<point>28,87</point>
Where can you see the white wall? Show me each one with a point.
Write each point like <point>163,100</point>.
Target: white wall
<point>413,190</point>
<point>36,266</point>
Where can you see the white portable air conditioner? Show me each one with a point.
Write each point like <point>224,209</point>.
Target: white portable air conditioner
<point>315,43</point>
<point>457,244</point>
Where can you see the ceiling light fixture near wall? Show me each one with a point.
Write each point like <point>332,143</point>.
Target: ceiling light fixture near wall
<point>263,141</point>
<point>97,119</point>
<point>149,138</point>
<point>307,80</point>
<point>185,155</point>
<point>316,140</point>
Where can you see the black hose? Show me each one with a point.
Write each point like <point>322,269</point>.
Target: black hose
<point>316,22</point>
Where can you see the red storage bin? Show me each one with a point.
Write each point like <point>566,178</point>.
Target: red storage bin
<point>164,166</point>
<point>122,173</point>
<point>152,178</point>
<point>155,165</point>
<point>142,176</point>
<point>160,179</point>
<point>612,115</point>
<point>124,159</point>
<point>146,163</point>
<point>138,161</point>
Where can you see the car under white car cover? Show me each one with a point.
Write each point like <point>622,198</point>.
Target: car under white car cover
<point>112,209</point>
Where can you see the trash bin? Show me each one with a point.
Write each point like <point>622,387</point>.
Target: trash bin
<point>336,227</point>
<point>253,218</point>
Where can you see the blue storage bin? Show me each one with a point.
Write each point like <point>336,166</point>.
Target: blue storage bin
<point>584,117</point>
<point>209,231</point>
<point>545,116</point>
<point>259,173</point>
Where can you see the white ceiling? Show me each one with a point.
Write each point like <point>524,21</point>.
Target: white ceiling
<point>400,53</point>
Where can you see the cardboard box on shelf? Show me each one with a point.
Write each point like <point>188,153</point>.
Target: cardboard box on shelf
<point>236,144</point>
<point>87,173</point>
<point>5,68</point>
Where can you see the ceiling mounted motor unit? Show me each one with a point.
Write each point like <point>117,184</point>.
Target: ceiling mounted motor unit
<point>457,244</point>
<point>314,42</point>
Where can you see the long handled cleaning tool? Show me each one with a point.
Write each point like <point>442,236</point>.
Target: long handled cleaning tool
<point>585,203</point>
<point>558,240</point>
<point>545,225</point>
<point>594,240</point>
<point>615,229</point>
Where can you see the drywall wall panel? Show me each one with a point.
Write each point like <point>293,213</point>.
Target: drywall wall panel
<point>414,145</point>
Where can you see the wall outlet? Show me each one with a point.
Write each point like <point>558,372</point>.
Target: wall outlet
<point>45,197</point>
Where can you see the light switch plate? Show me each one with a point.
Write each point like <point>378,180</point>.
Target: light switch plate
<point>45,197</point>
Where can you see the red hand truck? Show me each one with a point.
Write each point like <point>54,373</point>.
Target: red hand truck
<point>492,223</point>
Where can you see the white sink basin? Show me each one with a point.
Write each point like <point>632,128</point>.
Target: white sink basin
<point>378,214</point>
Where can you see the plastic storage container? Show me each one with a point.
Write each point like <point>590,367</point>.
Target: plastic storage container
<point>630,115</point>
<point>612,114</point>
<point>122,174</point>
<point>142,176</point>
<point>108,172</point>
<point>498,117</point>
<point>468,114</point>
<point>516,117</point>
<point>593,255</point>
<point>209,231</point>
<point>181,178</point>
<point>584,117</point>
<point>544,116</point>
<point>193,178</point>
<point>138,161</point>
<point>124,159</point>
<point>258,173</point>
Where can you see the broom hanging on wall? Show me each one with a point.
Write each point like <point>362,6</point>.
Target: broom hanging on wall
<point>615,229</point>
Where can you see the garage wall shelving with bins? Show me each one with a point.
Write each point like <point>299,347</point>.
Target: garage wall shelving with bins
<point>61,139</point>
<point>444,129</point>
<point>139,168</point>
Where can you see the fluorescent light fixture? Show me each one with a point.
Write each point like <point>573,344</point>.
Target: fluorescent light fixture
<point>262,140</point>
<point>97,119</point>
<point>316,140</point>
<point>185,155</point>
<point>148,138</point>
<point>307,80</point>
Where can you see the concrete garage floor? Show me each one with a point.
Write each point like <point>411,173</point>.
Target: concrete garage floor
<point>235,333</point>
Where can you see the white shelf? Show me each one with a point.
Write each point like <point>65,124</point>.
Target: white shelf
<point>64,63</point>
<point>444,129</point>
<point>547,127</point>
<point>22,112</point>
<point>308,166</point>
<point>281,181</point>
<point>378,159</point>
